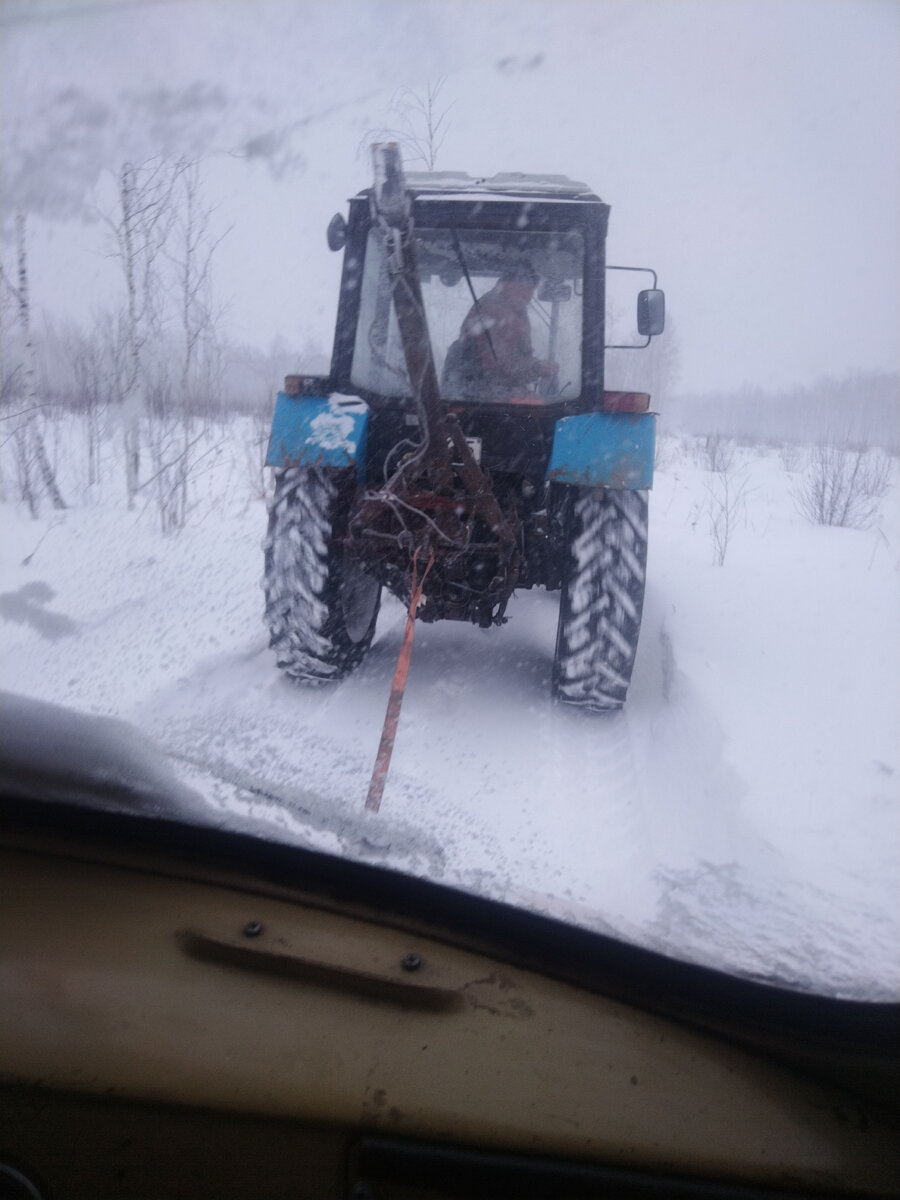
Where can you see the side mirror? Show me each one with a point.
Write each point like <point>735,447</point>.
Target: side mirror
<point>337,232</point>
<point>651,312</point>
<point>551,290</point>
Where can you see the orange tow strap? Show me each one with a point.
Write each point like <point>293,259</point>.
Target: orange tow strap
<point>392,717</point>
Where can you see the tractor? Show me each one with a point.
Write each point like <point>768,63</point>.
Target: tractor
<point>463,445</point>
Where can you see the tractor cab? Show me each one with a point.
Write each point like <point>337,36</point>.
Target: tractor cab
<point>476,242</point>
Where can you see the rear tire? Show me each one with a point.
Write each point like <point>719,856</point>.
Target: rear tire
<point>602,597</point>
<point>321,609</point>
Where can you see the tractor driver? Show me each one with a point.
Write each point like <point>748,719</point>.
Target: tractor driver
<point>493,356</point>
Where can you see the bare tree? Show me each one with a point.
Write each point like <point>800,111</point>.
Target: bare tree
<point>31,450</point>
<point>165,243</point>
<point>256,448</point>
<point>140,228</point>
<point>14,433</point>
<point>95,373</point>
<point>194,245</point>
<point>725,504</point>
<point>418,121</point>
<point>171,446</point>
<point>843,486</point>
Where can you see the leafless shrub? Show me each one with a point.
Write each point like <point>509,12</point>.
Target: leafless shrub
<point>668,451</point>
<point>725,504</point>
<point>176,468</point>
<point>90,393</point>
<point>718,452</point>
<point>843,486</point>
<point>790,456</point>
<point>255,450</point>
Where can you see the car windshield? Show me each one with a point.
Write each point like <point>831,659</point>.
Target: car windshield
<point>168,175</point>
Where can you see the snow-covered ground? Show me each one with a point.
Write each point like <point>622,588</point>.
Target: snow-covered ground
<point>743,810</point>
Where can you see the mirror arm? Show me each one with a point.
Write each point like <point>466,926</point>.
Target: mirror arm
<point>646,270</point>
<point>628,345</point>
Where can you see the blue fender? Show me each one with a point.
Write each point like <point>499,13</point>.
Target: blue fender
<point>318,431</point>
<point>603,448</point>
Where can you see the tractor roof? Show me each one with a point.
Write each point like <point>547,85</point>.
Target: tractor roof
<point>510,185</point>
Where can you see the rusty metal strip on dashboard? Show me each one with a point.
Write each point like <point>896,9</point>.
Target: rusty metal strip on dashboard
<point>316,973</point>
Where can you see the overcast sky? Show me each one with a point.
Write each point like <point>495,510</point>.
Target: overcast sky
<point>750,149</point>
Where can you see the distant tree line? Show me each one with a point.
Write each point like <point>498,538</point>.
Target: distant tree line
<point>859,410</point>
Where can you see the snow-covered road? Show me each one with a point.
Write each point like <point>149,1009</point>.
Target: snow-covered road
<point>742,811</point>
